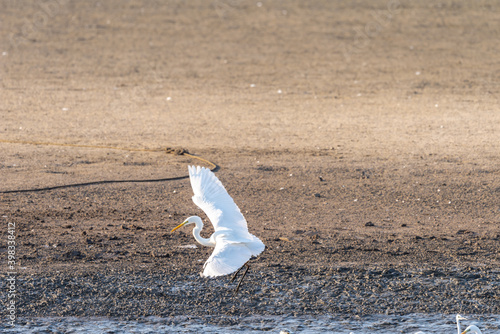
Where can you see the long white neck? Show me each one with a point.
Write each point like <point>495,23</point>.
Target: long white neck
<point>459,329</point>
<point>196,233</point>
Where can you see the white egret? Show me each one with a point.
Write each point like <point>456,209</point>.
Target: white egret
<point>233,244</point>
<point>471,329</point>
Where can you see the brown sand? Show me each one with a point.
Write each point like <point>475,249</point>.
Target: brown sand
<point>325,118</point>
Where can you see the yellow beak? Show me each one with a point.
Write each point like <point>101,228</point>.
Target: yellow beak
<point>181,225</point>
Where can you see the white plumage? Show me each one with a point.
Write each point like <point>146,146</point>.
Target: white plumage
<point>233,244</point>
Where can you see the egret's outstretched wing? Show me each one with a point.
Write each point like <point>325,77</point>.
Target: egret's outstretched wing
<point>226,258</point>
<point>211,196</point>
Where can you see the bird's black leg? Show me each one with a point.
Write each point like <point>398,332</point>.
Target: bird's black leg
<point>236,273</point>
<point>241,279</point>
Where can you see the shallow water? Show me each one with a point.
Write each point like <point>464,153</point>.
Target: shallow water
<point>256,324</point>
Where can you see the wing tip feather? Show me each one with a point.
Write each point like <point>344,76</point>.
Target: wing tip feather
<point>193,170</point>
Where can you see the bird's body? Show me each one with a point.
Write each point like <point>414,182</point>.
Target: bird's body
<point>233,244</point>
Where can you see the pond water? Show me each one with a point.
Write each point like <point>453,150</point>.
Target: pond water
<point>442,324</point>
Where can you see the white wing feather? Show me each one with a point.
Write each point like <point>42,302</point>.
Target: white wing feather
<point>211,196</point>
<point>234,245</point>
<point>229,256</point>
<point>226,258</point>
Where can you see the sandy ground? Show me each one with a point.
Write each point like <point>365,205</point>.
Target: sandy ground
<point>360,140</point>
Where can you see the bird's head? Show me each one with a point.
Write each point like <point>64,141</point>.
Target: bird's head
<point>459,317</point>
<point>190,220</point>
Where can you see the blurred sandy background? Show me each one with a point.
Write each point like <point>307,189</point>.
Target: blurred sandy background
<point>390,102</point>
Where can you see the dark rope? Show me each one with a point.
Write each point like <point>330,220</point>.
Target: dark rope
<point>167,150</point>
